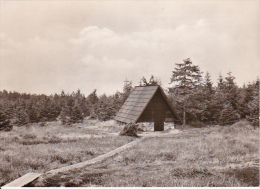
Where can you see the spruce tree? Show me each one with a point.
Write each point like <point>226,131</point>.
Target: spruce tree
<point>211,106</point>
<point>117,101</point>
<point>228,115</point>
<point>76,115</point>
<point>187,77</point>
<point>231,90</point>
<point>64,116</point>
<point>208,83</point>
<point>33,111</point>
<point>22,117</point>
<point>106,109</point>
<point>245,96</point>
<point>220,82</point>
<point>253,105</point>
<point>5,124</point>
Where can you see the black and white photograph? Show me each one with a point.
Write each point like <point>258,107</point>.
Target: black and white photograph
<point>129,93</point>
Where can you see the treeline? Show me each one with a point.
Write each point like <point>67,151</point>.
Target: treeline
<point>195,99</point>
<point>22,109</point>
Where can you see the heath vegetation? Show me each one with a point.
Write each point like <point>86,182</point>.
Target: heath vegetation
<point>215,156</point>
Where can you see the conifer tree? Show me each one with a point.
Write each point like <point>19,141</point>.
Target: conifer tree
<point>22,117</point>
<point>64,116</point>
<point>5,124</point>
<point>93,98</point>
<point>228,115</point>
<point>245,96</point>
<point>76,115</point>
<point>253,105</point>
<point>106,109</point>
<point>117,101</point>
<point>220,82</point>
<point>92,103</point>
<point>208,83</point>
<point>231,90</point>
<point>187,77</point>
<point>32,110</point>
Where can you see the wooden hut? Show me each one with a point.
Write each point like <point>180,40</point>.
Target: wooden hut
<point>147,104</point>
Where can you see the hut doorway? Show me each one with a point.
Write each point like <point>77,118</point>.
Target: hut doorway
<point>159,119</point>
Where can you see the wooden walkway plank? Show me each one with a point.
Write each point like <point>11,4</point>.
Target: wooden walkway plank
<point>97,159</point>
<point>25,179</point>
<point>29,177</point>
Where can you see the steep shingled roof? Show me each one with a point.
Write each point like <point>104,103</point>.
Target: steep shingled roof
<point>136,103</point>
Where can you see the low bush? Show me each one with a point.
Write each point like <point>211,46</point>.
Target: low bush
<point>130,130</point>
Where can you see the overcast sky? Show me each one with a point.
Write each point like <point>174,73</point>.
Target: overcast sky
<point>49,46</point>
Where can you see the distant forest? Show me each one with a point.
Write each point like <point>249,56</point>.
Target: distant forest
<point>195,99</point>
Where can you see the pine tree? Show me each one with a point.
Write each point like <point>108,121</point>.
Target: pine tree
<point>253,105</point>
<point>230,89</point>
<point>208,84</point>
<point>188,77</point>
<point>220,82</point>
<point>22,117</point>
<point>105,110</point>
<point>76,115</point>
<point>217,103</point>
<point>245,95</point>
<point>47,110</point>
<point>92,103</point>
<point>32,111</point>
<point>228,115</point>
<point>93,98</point>
<point>117,101</point>
<point>206,99</point>
<point>64,116</point>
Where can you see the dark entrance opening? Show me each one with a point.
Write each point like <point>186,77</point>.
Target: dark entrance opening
<point>159,119</point>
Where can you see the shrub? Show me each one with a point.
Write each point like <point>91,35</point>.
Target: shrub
<point>129,130</point>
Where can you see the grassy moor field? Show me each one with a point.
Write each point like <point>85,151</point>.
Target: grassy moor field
<point>43,148</point>
<point>196,157</point>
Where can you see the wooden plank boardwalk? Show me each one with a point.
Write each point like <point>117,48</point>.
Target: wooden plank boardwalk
<point>97,159</point>
<point>29,177</point>
<point>22,181</point>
